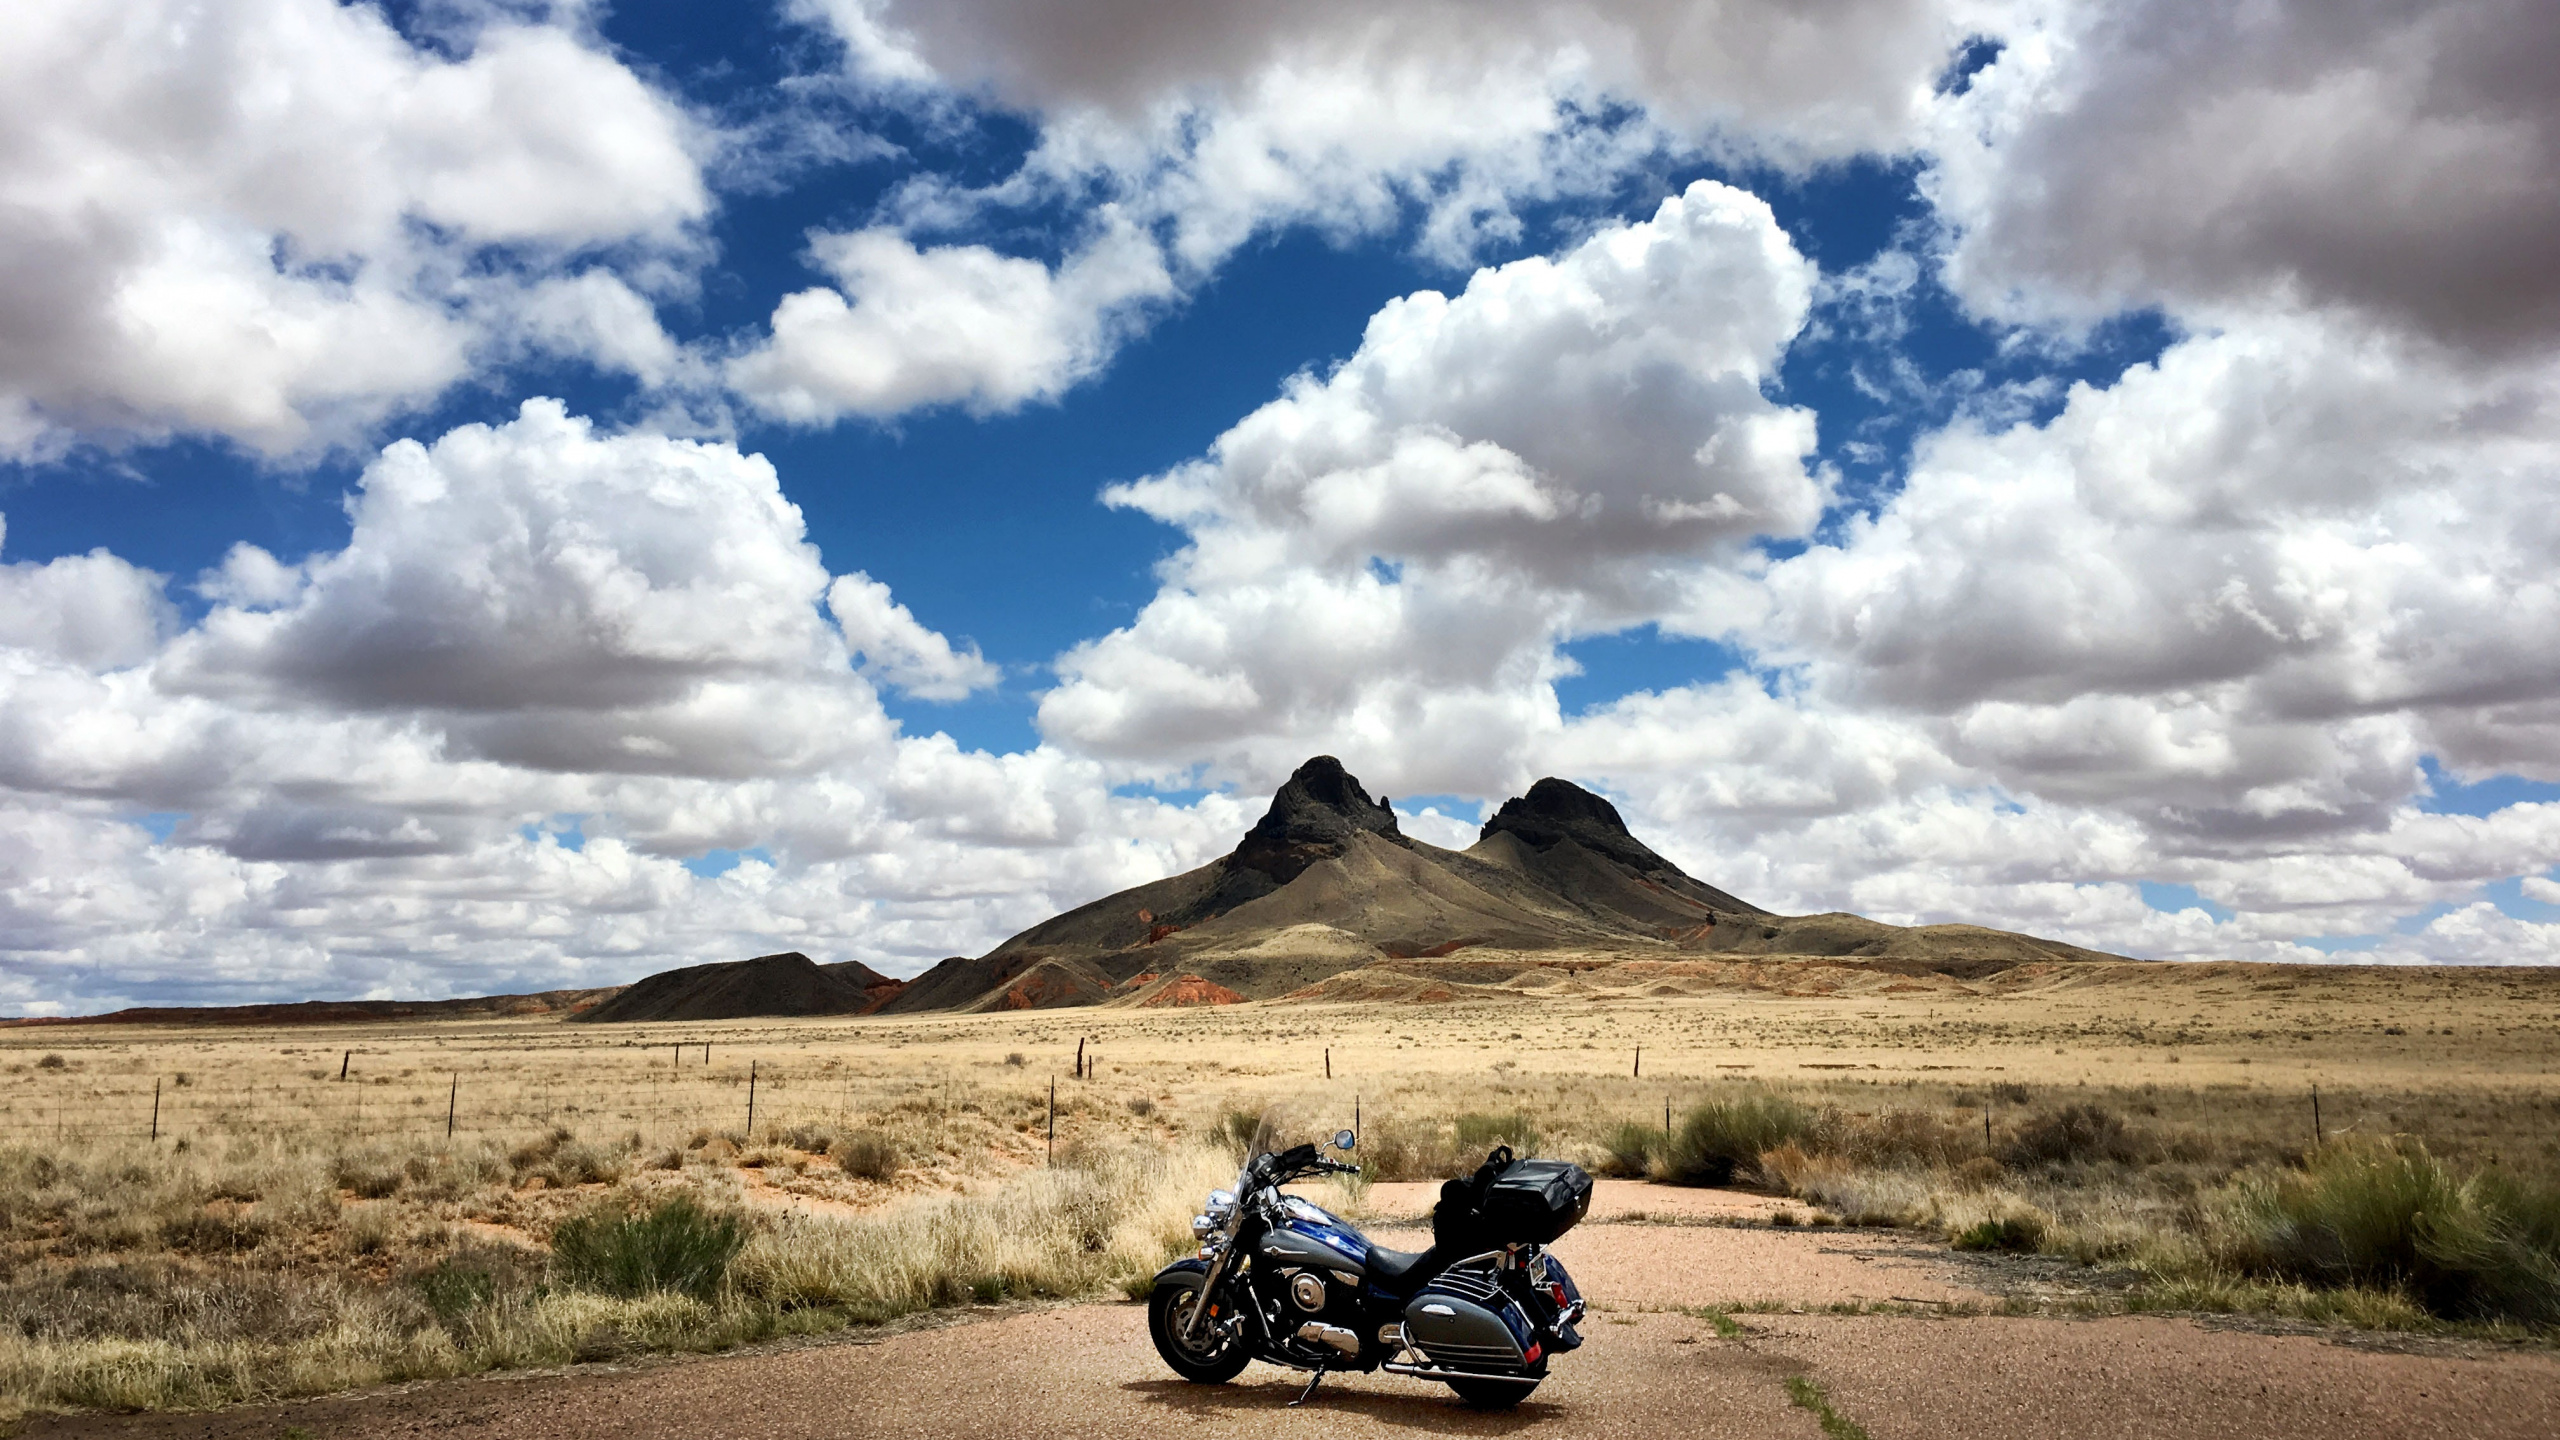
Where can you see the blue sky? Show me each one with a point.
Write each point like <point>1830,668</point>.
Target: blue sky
<point>579,488</point>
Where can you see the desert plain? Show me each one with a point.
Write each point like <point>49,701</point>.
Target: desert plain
<point>2052,1156</point>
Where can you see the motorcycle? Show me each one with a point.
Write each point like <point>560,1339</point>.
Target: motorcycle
<point>1279,1279</point>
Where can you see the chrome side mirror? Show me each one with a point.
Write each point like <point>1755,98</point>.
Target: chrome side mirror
<point>1343,1139</point>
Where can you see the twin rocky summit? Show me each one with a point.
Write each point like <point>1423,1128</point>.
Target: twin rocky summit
<point>1485,1310</point>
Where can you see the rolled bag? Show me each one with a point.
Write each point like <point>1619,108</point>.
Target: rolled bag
<point>1509,1201</point>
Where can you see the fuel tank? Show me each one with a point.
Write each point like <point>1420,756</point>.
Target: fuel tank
<point>1464,1321</point>
<point>1314,1238</point>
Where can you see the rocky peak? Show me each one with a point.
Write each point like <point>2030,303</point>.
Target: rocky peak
<point>1558,810</point>
<point>1312,818</point>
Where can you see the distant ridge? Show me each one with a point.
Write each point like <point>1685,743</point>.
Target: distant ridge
<point>769,985</point>
<point>345,1012</point>
<point>1325,885</point>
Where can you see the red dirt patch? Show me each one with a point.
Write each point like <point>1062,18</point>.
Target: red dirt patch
<point>1185,990</point>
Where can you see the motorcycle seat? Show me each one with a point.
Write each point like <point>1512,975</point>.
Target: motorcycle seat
<point>1396,1269</point>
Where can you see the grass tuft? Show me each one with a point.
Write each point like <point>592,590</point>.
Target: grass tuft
<point>2394,1217</point>
<point>1808,1396</point>
<point>675,1247</point>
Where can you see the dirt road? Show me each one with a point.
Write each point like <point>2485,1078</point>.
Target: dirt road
<point>1650,1370</point>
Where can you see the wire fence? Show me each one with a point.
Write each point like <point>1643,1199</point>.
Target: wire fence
<point>43,1106</point>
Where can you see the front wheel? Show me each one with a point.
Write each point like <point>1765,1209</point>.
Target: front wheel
<point>1212,1356</point>
<point>1493,1394</point>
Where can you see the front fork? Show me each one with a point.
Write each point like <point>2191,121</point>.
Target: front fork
<point>1218,1271</point>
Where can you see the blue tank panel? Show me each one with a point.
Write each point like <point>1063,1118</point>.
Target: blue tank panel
<point>1311,1236</point>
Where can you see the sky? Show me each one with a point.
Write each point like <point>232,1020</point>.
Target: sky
<point>500,495</point>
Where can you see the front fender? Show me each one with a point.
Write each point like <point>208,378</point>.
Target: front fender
<point>1187,1265</point>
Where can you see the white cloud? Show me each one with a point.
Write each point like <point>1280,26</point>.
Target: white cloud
<point>1568,445</point>
<point>2239,588</point>
<point>94,611</point>
<point>259,218</point>
<point>893,648</point>
<point>533,629</point>
<point>948,325</point>
<point>1185,134</point>
<point>2396,159</point>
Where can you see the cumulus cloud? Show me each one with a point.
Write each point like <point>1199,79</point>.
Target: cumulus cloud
<point>472,747</point>
<point>1390,551</point>
<point>1839,75</point>
<point>890,645</point>
<point>1197,131</point>
<point>946,325</point>
<point>94,611</point>
<point>2398,159</point>
<point>261,218</point>
<point>2240,586</point>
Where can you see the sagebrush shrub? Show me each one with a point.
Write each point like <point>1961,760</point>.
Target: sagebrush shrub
<point>2074,1135</point>
<point>1722,1138</point>
<point>865,1155</point>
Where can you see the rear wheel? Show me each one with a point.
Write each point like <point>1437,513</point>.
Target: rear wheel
<point>1493,1394</point>
<point>1213,1355</point>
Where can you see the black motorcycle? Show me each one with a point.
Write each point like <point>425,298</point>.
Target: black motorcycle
<point>1277,1279</point>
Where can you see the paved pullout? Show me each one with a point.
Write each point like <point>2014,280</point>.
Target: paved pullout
<point>1650,1371</point>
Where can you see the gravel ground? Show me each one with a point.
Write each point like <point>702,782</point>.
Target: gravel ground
<point>1088,1371</point>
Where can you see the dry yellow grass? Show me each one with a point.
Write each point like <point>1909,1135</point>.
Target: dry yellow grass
<point>290,1231</point>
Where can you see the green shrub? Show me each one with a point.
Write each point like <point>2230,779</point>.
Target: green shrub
<point>1478,1133</point>
<point>1722,1137</point>
<point>2394,1218</point>
<point>1236,1129</point>
<point>2021,1233</point>
<point>472,1278</point>
<point>1631,1148</point>
<point>561,1159</point>
<point>370,1176</point>
<point>2073,1135</point>
<point>865,1154</point>
<point>677,1246</point>
<point>815,1139</point>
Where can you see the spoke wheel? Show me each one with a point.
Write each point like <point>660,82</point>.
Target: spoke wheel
<point>1212,1357</point>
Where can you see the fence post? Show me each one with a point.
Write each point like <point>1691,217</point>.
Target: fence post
<point>343,1062</point>
<point>2315,1117</point>
<point>1053,1120</point>
<point>751,1102</point>
<point>1328,1062</point>
<point>1079,1057</point>
<point>1986,1124</point>
<point>1639,1063</point>
<point>155,1109</point>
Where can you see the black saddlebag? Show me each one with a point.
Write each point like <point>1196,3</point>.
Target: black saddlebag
<point>1510,1202</point>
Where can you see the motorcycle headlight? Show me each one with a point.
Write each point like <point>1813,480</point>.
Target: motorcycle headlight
<point>1222,1208</point>
<point>1202,1227</point>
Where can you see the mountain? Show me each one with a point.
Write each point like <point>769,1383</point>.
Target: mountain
<point>1325,883</point>
<point>786,984</point>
